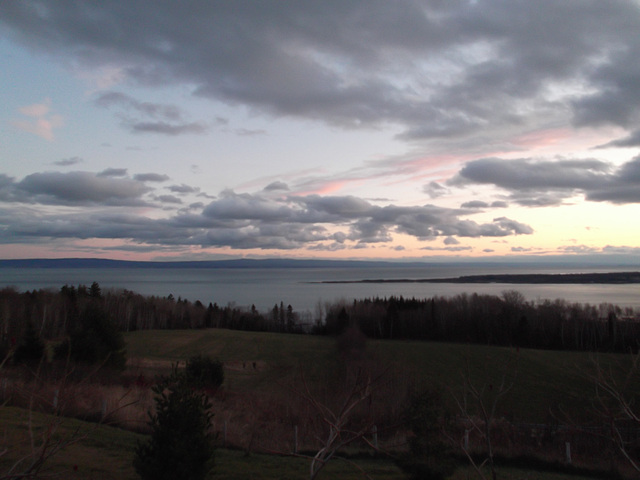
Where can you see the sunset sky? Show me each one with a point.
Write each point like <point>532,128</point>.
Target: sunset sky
<point>320,129</point>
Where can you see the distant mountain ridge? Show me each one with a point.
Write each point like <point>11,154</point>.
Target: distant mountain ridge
<point>237,263</point>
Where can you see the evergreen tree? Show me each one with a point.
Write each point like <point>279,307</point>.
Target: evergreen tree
<point>96,339</point>
<point>428,458</point>
<point>180,447</point>
<point>30,348</point>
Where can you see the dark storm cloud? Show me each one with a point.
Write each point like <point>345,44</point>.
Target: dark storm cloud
<point>437,69</point>
<point>543,183</point>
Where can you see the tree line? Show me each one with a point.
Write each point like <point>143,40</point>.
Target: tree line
<point>82,314</point>
<point>85,315</point>
<point>507,320</point>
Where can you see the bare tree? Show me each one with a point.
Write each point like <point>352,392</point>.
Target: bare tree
<point>614,404</point>
<point>341,426</point>
<point>478,406</point>
<point>43,441</point>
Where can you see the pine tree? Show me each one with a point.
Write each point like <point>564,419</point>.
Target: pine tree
<point>180,447</point>
<point>30,348</point>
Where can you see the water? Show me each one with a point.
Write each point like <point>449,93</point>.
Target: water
<point>265,287</point>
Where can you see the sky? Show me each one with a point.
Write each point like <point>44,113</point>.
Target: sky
<point>434,129</point>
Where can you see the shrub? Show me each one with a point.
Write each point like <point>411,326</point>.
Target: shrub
<point>204,372</point>
<point>180,447</point>
<point>429,458</point>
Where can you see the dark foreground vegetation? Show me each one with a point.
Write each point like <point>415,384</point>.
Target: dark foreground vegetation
<point>378,386</point>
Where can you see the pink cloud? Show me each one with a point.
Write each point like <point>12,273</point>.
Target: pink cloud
<point>40,122</point>
<point>323,188</point>
<point>542,138</point>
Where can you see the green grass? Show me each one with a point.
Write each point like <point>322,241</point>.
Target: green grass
<point>101,452</point>
<point>545,384</point>
<point>106,453</point>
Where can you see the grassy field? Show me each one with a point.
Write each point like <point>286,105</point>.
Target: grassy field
<point>544,382</point>
<point>260,366</point>
<point>106,453</point>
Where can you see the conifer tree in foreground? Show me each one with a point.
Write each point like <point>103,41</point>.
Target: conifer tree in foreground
<point>180,447</point>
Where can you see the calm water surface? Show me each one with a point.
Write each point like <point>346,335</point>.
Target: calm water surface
<point>265,287</point>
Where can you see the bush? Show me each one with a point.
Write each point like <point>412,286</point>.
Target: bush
<point>180,447</point>
<point>429,458</point>
<point>204,372</point>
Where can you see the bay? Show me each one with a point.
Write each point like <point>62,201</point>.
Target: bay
<point>301,287</point>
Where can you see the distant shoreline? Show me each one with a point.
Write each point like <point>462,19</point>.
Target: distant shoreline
<point>534,278</point>
<point>612,278</point>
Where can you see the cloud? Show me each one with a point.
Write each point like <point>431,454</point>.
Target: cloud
<point>579,249</point>
<point>475,204</point>
<point>147,109</point>
<point>234,220</point>
<point>74,188</point>
<point>435,69</point>
<point>435,190</point>
<point>168,199</point>
<point>531,174</point>
<point>276,186</point>
<point>165,128</point>
<point>536,183</point>
<point>521,249</point>
<point>151,177</point>
<point>113,172</point>
<point>40,122</point>
<point>479,204</point>
<point>615,99</point>
<point>631,140</point>
<point>621,249</point>
<point>244,132</point>
<point>447,249</point>
<point>147,117</point>
<point>183,189</point>
<point>66,162</point>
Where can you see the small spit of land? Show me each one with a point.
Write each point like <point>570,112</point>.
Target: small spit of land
<point>529,278</point>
